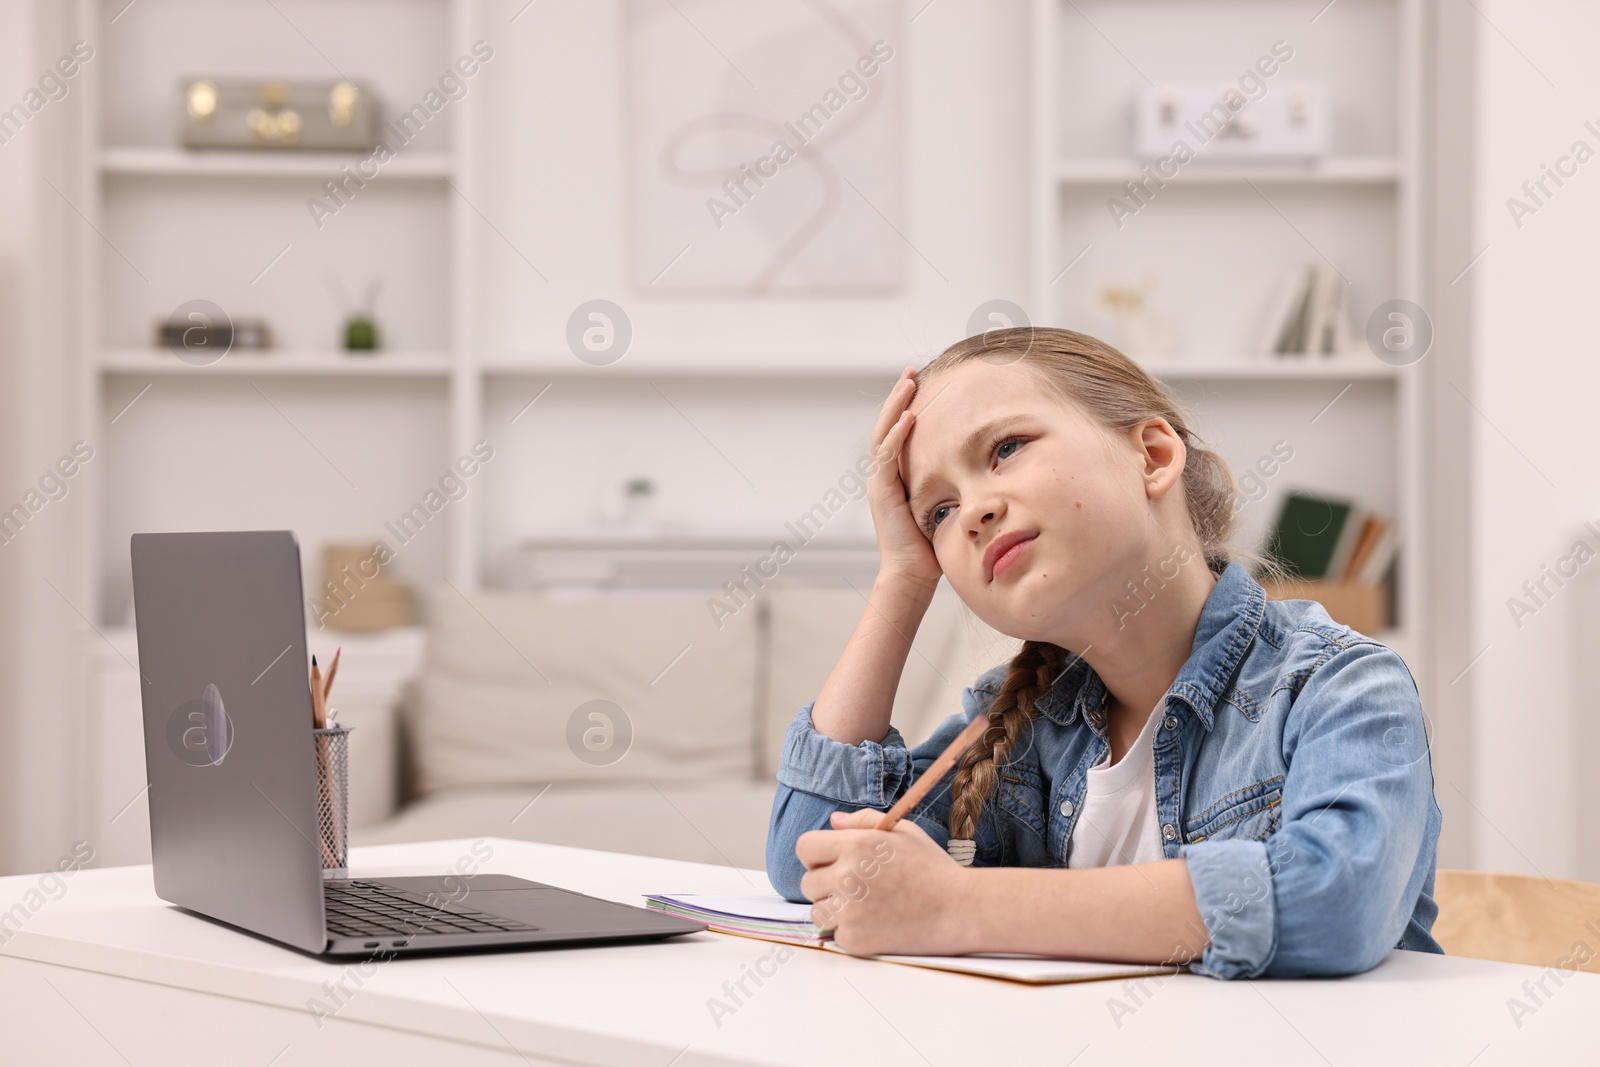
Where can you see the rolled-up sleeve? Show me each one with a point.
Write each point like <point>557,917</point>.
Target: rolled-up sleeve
<point>1233,890</point>
<point>1332,889</point>
<point>867,775</point>
<point>818,775</point>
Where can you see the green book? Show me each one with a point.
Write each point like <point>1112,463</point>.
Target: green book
<point>1307,533</point>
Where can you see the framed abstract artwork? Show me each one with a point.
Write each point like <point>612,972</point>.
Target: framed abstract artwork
<point>766,145</point>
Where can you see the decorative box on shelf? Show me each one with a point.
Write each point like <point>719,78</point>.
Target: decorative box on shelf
<point>273,114</point>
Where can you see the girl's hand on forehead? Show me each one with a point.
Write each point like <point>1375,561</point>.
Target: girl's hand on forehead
<point>903,552</point>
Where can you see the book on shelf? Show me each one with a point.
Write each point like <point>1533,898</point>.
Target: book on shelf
<point>1307,315</point>
<point>1320,538</point>
<point>1338,554</point>
<point>770,917</point>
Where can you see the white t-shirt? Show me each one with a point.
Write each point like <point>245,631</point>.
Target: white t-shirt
<point>1117,823</point>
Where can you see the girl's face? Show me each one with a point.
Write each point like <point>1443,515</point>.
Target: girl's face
<point>996,459</point>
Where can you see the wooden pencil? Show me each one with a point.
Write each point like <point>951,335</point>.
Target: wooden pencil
<point>333,669</point>
<point>319,715</point>
<point>947,759</point>
<point>319,719</point>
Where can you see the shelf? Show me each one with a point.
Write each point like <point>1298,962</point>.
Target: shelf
<point>643,365</point>
<point>281,362</point>
<point>1353,169</point>
<point>380,650</point>
<point>177,162</point>
<point>1353,365</point>
<point>627,562</point>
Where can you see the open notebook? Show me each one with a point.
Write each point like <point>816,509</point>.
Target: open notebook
<point>773,918</point>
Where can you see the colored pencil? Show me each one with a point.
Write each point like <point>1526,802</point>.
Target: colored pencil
<point>333,669</point>
<point>319,714</point>
<point>947,759</point>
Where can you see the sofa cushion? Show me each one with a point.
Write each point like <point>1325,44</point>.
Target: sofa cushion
<point>971,648</point>
<point>810,627</point>
<point>502,695</point>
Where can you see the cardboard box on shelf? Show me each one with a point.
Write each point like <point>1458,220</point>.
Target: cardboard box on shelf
<point>1362,606</point>
<point>358,594</point>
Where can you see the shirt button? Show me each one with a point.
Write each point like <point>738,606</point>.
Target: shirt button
<point>1168,832</point>
<point>1171,723</point>
<point>1066,808</point>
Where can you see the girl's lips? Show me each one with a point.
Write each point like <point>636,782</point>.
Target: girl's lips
<point>1003,562</point>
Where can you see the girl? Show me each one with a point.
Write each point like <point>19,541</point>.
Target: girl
<point>1238,785</point>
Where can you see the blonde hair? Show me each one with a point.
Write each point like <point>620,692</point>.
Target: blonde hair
<point>1119,394</point>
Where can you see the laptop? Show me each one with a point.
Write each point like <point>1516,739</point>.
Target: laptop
<point>233,810</point>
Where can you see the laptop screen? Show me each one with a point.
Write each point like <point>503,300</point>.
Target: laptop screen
<point>227,727</point>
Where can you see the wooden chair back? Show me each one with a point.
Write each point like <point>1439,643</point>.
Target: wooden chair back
<point>1514,918</point>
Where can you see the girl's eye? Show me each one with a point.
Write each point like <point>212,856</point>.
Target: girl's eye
<point>937,513</point>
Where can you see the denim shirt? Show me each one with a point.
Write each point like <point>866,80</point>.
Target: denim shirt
<point>1292,773</point>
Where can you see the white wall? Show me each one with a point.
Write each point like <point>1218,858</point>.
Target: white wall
<point>558,189</point>
<point>41,576</point>
<point>1533,383</point>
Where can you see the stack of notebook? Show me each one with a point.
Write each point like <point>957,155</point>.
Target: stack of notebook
<point>772,918</point>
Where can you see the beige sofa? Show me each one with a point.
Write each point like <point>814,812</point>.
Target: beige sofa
<point>499,733</point>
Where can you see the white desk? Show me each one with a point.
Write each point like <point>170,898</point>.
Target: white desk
<point>109,974</point>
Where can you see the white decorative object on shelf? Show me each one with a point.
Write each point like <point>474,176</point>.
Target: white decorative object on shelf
<point>1140,332</point>
<point>1232,122</point>
<point>639,506</point>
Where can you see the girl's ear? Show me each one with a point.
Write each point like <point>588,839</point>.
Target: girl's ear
<point>1161,454</point>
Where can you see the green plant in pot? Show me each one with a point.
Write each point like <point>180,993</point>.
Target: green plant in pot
<point>360,332</point>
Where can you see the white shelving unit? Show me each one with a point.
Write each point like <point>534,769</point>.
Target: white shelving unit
<point>166,213</point>
<point>1356,208</point>
<point>152,202</point>
<point>168,225</point>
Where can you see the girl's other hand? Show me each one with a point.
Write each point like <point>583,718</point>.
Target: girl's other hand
<point>903,552</point>
<point>884,890</point>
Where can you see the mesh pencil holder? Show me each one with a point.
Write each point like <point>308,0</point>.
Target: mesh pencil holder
<point>333,799</point>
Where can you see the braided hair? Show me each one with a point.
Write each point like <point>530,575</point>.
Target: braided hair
<point>1033,669</point>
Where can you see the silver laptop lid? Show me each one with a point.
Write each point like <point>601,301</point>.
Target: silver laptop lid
<point>227,729</point>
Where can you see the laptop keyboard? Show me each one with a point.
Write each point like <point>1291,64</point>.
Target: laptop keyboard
<point>371,909</point>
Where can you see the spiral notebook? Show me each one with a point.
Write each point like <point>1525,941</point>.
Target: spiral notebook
<point>772,918</point>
